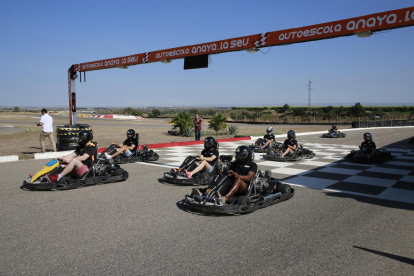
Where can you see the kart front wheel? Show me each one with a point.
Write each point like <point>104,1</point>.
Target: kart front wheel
<point>63,184</point>
<point>120,172</point>
<point>283,188</point>
<point>244,201</point>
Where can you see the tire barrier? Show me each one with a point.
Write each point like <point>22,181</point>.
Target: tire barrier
<point>67,136</point>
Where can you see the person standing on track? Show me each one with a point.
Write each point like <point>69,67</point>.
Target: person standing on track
<point>46,122</point>
<point>197,127</point>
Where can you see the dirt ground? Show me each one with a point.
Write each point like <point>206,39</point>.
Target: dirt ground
<point>107,131</point>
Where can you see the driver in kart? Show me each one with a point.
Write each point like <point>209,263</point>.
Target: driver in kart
<point>127,148</point>
<point>206,160</point>
<point>269,138</point>
<point>290,143</point>
<point>333,129</point>
<point>368,147</point>
<point>78,162</point>
<point>243,169</point>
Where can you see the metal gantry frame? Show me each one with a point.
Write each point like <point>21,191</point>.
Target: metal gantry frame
<point>362,26</point>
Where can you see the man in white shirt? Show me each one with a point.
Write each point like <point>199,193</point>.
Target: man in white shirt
<point>46,122</point>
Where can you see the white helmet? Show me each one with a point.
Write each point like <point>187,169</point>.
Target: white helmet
<point>269,130</point>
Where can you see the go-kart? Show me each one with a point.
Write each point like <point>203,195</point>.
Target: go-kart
<point>257,147</point>
<point>259,193</point>
<point>144,154</point>
<point>98,173</point>
<point>299,154</point>
<point>200,178</point>
<point>380,156</point>
<point>335,134</point>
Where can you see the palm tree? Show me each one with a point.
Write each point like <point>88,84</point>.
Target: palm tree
<point>218,122</point>
<point>182,121</point>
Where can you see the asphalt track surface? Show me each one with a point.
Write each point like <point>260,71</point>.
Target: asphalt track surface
<point>138,227</point>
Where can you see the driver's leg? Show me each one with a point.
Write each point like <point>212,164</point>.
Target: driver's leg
<point>204,164</point>
<point>287,152</point>
<point>265,145</point>
<point>120,150</point>
<point>74,164</point>
<point>238,186</point>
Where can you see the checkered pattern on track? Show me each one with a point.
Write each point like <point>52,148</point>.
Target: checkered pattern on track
<point>393,180</point>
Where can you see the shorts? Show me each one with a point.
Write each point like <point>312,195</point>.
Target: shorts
<point>210,170</point>
<point>126,153</point>
<point>291,152</point>
<point>79,172</point>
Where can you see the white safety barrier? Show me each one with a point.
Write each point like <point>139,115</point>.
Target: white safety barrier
<point>48,155</point>
<point>9,158</point>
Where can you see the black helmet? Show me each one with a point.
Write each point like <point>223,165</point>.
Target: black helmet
<point>333,126</point>
<point>210,143</point>
<point>131,134</point>
<point>269,130</point>
<point>243,154</point>
<point>367,135</point>
<point>84,137</point>
<point>291,134</point>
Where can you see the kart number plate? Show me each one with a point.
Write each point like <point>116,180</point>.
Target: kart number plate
<point>51,162</point>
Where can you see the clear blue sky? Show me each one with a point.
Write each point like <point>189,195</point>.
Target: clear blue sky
<point>41,39</point>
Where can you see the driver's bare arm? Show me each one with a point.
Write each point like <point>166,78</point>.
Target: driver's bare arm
<point>245,177</point>
<point>67,158</point>
<point>83,157</point>
<point>209,159</point>
<point>131,147</point>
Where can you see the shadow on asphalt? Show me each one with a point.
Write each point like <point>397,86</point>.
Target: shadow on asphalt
<point>183,207</point>
<point>375,201</point>
<point>388,255</point>
<point>162,181</point>
<point>35,150</point>
<point>402,144</point>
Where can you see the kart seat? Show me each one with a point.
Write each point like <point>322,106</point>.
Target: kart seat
<point>137,138</point>
<point>298,149</point>
<point>95,161</point>
<point>216,163</point>
<point>251,184</point>
<point>95,157</point>
<point>135,150</point>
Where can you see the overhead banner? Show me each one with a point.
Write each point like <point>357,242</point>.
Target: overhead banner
<point>373,22</point>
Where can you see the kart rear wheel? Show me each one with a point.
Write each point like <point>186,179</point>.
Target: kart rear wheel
<point>206,177</point>
<point>63,184</point>
<point>244,201</point>
<point>283,188</point>
<point>153,155</point>
<point>121,172</point>
<point>117,159</point>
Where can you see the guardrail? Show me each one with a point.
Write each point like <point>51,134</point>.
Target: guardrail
<point>391,123</point>
<point>285,123</point>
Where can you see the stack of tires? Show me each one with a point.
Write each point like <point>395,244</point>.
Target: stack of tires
<point>67,136</point>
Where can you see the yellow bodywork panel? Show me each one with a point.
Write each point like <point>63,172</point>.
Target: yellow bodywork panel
<point>47,168</point>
